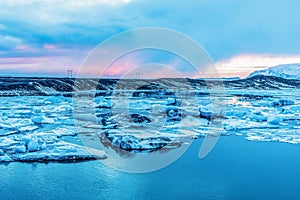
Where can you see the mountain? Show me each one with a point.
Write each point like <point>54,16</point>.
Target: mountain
<point>287,71</point>
<point>26,86</point>
<point>263,82</point>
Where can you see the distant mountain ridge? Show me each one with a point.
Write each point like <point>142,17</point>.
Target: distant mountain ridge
<point>286,71</point>
<point>66,86</point>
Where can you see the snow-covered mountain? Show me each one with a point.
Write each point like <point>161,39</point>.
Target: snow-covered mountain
<point>287,71</point>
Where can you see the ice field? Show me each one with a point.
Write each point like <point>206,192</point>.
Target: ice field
<point>37,120</point>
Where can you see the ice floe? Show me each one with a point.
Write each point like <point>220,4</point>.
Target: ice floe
<point>43,129</point>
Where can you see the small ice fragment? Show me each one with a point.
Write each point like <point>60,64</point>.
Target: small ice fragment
<point>5,158</point>
<point>33,145</point>
<point>20,149</point>
<point>42,120</point>
<point>282,102</point>
<point>259,118</point>
<point>44,146</point>
<point>1,152</point>
<point>26,139</point>
<point>36,110</point>
<point>171,101</point>
<point>275,120</point>
<point>86,117</point>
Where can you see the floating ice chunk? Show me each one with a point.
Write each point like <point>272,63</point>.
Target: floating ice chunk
<point>229,113</point>
<point>63,151</point>
<point>49,138</point>
<point>26,139</point>
<point>255,138</point>
<point>209,115</point>
<point>258,117</point>
<point>205,102</point>
<point>4,118</point>
<point>43,146</point>
<point>129,142</point>
<point>275,120</point>
<point>59,132</point>
<point>33,145</point>
<point>14,122</point>
<point>39,150</point>
<point>139,105</point>
<point>282,102</point>
<point>295,108</point>
<point>205,113</point>
<point>172,113</point>
<point>137,118</point>
<point>36,110</point>
<point>103,103</point>
<point>236,113</point>
<point>20,149</point>
<point>7,143</point>
<point>173,102</point>
<point>47,102</point>
<point>28,128</point>
<point>240,113</point>
<point>257,112</point>
<point>5,158</point>
<point>42,120</point>
<point>285,111</point>
<point>4,132</point>
<point>63,108</point>
<point>86,117</point>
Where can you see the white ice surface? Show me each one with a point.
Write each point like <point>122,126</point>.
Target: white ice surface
<point>42,128</point>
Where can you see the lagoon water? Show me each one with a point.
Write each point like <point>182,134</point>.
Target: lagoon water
<point>235,169</point>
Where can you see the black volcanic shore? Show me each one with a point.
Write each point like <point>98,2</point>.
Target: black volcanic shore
<point>36,86</point>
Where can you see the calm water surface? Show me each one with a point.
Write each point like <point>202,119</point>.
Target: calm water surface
<point>236,169</point>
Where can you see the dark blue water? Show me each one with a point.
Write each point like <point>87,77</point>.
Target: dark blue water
<point>236,169</point>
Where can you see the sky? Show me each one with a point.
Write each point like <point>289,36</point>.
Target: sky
<point>48,37</point>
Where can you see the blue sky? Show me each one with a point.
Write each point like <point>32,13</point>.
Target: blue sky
<point>47,37</point>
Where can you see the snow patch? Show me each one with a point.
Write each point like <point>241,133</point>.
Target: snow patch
<point>287,71</point>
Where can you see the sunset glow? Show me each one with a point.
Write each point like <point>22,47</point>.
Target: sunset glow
<point>58,35</point>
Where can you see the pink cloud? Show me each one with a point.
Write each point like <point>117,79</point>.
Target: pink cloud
<point>118,68</point>
<point>23,48</point>
<point>121,67</point>
<point>49,46</point>
<point>48,66</point>
<point>243,65</point>
<point>22,60</point>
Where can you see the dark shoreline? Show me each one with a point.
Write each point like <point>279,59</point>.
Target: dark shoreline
<point>40,86</point>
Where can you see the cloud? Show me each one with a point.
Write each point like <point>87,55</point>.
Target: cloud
<point>86,3</point>
<point>70,29</point>
<point>38,66</point>
<point>8,42</point>
<point>243,65</point>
